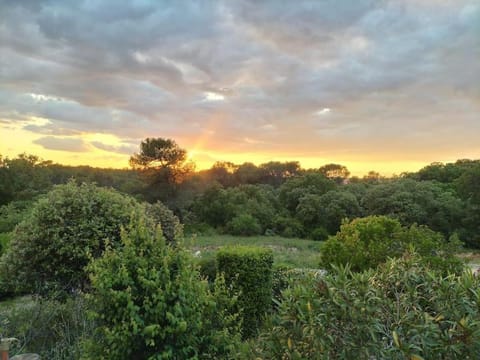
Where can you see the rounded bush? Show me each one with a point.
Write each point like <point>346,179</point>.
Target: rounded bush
<point>65,229</point>
<point>319,234</point>
<point>363,243</point>
<point>171,228</point>
<point>245,225</point>
<point>367,242</point>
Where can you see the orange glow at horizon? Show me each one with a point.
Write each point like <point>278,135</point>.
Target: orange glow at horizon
<point>204,160</point>
<point>15,138</point>
<point>305,82</point>
<point>15,141</point>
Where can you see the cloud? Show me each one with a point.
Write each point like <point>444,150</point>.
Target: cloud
<point>323,112</point>
<point>212,96</point>
<point>268,127</point>
<point>121,149</point>
<point>50,129</point>
<point>388,69</point>
<point>253,141</point>
<point>62,144</point>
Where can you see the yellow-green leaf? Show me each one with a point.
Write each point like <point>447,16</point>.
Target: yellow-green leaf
<point>396,339</point>
<point>415,357</point>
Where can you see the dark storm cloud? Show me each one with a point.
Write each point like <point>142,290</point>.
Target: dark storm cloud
<point>261,71</point>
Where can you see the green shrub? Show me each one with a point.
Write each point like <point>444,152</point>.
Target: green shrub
<point>150,302</point>
<point>363,243</point>
<point>48,327</point>
<point>367,242</point>
<point>288,227</point>
<point>64,230</point>
<point>208,268</point>
<point>319,234</point>
<point>249,270</point>
<point>280,281</point>
<point>161,215</point>
<point>285,276</point>
<point>13,213</point>
<point>403,310</point>
<point>4,241</point>
<point>67,228</point>
<point>244,225</point>
<point>434,249</point>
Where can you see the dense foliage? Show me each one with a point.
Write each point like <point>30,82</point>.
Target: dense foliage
<point>313,203</point>
<point>326,211</point>
<point>404,310</point>
<point>51,328</point>
<point>249,270</point>
<point>367,242</point>
<point>242,210</point>
<point>271,198</point>
<point>161,215</point>
<point>427,203</point>
<point>27,176</point>
<point>149,302</point>
<point>50,248</point>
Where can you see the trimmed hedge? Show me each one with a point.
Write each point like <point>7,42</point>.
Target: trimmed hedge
<point>249,271</point>
<point>208,268</point>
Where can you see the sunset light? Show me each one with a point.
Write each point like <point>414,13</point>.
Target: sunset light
<point>240,179</point>
<point>386,86</point>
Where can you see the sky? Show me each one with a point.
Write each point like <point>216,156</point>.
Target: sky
<point>374,85</point>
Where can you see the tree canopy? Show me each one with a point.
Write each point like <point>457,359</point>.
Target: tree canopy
<point>164,165</point>
<point>158,153</point>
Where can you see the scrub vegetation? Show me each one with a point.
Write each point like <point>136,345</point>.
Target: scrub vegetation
<point>245,261</point>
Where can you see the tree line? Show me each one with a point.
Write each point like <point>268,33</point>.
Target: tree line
<point>274,198</point>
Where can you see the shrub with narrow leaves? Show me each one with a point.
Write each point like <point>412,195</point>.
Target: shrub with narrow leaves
<point>51,328</point>
<point>403,310</point>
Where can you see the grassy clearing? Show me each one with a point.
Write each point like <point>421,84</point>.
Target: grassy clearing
<point>298,253</point>
<point>6,305</point>
<point>472,257</point>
